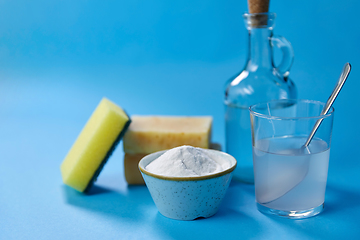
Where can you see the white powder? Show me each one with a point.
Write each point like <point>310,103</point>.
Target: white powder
<point>186,161</point>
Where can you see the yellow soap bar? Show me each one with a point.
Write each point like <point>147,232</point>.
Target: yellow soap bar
<point>131,166</point>
<point>131,169</point>
<point>148,134</point>
<point>94,145</point>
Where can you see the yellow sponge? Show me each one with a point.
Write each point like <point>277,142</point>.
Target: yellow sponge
<point>94,145</point>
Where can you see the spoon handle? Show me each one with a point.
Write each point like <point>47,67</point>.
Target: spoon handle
<point>344,74</point>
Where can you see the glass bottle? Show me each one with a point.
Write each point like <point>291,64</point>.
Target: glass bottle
<point>259,81</point>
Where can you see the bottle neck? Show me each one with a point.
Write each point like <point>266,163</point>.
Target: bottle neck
<point>260,52</point>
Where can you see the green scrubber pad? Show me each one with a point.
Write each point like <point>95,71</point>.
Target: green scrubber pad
<point>94,145</point>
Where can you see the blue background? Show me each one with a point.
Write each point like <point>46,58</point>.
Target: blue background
<point>59,58</point>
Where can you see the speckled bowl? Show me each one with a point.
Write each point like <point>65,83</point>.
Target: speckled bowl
<point>188,198</point>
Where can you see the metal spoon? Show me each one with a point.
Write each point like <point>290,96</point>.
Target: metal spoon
<point>344,74</point>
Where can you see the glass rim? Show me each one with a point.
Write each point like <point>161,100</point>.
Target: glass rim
<point>261,115</point>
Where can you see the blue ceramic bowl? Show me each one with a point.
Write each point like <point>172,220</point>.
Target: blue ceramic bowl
<point>188,198</point>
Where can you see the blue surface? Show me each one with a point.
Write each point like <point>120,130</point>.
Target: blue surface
<point>59,58</point>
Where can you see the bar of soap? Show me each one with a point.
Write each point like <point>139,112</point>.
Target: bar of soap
<point>131,168</point>
<point>148,134</point>
<point>94,145</point>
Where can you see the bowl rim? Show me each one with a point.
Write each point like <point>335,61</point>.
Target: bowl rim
<point>196,178</point>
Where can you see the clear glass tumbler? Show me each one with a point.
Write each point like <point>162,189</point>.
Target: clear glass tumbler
<point>290,179</point>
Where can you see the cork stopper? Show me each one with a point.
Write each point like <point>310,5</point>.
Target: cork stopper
<point>258,6</point>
